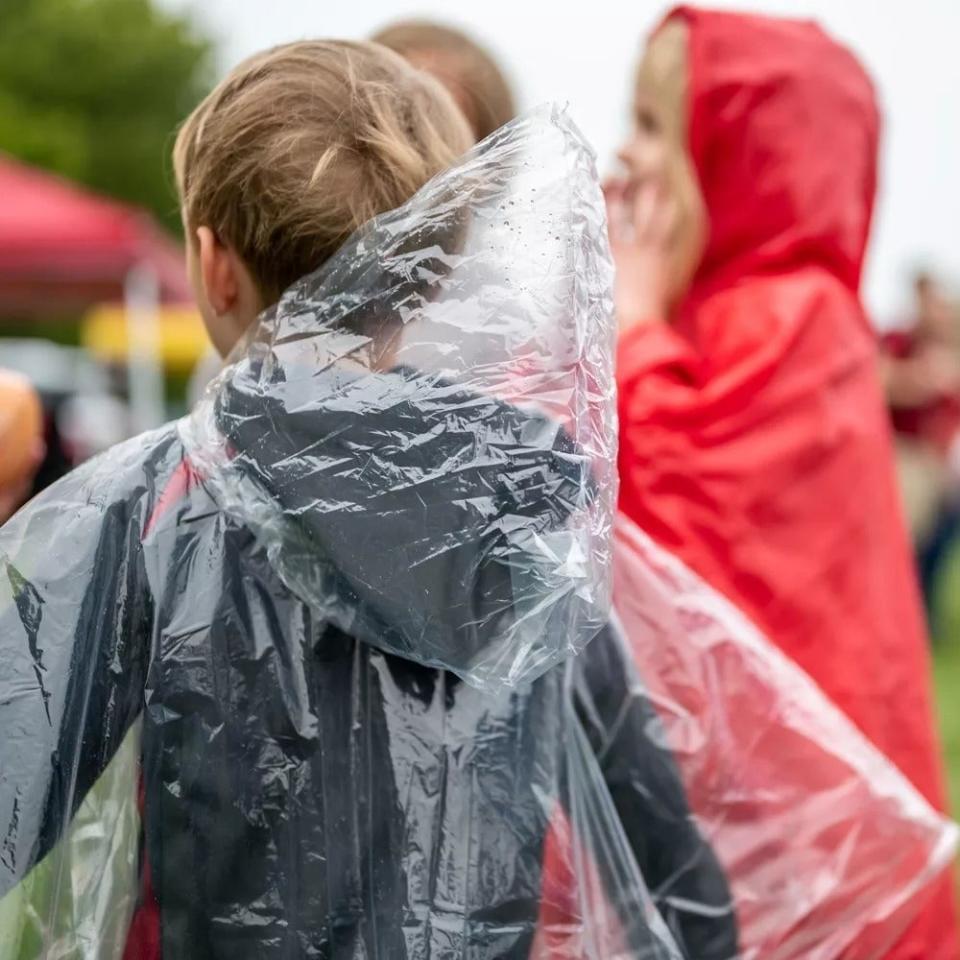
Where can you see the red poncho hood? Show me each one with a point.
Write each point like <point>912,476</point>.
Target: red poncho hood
<point>783,131</point>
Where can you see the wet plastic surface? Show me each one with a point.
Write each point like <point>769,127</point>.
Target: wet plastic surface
<point>828,849</point>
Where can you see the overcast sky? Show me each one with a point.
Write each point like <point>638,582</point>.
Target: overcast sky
<point>582,54</point>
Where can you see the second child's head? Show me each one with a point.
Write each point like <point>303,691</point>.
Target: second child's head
<point>293,151</point>
<point>462,65</point>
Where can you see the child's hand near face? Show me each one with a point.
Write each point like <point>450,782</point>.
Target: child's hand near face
<point>641,220</point>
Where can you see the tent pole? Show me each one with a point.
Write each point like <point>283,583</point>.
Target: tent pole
<point>141,292</point>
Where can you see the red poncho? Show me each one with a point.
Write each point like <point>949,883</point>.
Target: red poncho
<point>754,439</point>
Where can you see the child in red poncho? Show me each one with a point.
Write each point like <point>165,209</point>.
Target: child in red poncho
<point>754,440</point>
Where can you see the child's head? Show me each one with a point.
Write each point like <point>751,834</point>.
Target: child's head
<point>935,315</point>
<point>771,127</point>
<point>293,151</point>
<point>464,67</point>
<point>657,149</point>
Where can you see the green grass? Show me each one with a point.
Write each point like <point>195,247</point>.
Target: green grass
<point>947,679</point>
<point>947,670</point>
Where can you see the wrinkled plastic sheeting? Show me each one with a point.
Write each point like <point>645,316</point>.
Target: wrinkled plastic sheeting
<point>493,283</point>
<point>78,901</point>
<point>221,702</point>
<point>828,849</point>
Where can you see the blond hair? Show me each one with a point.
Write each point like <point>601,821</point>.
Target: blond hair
<point>466,68</point>
<point>662,79</point>
<point>663,72</point>
<point>300,145</point>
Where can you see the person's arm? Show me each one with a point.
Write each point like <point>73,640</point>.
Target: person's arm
<point>686,880</point>
<point>74,638</point>
<point>919,379</point>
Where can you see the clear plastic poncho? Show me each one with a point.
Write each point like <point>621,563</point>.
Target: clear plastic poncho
<point>829,851</point>
<point>294,677</point>
<point>328,669</point>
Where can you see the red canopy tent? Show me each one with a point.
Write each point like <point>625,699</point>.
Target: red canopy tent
<point>62,247</point>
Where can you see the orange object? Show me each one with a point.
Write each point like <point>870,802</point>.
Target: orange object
<point>21,428</point>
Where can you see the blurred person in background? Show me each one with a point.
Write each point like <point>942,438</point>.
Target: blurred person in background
<point>754,437</point>
<point>477,82</point>
<point>21,441</point>
<point>206,370</point>
<point>920,367</point>
<point>82,410</point>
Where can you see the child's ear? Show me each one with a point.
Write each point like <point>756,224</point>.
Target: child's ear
<point>218,272</point>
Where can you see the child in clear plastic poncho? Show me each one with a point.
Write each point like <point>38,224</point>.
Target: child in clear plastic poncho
<point>295,676</point>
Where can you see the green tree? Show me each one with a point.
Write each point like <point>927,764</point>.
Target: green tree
<point>93,89</point>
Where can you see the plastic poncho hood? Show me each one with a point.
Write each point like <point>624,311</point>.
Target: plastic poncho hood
<point>365,432</point>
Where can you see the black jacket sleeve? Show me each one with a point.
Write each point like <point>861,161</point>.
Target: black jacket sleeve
<point>74,634</point>
<point>684,876</point>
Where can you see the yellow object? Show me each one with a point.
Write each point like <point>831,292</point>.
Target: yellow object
<point>182,336</point>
